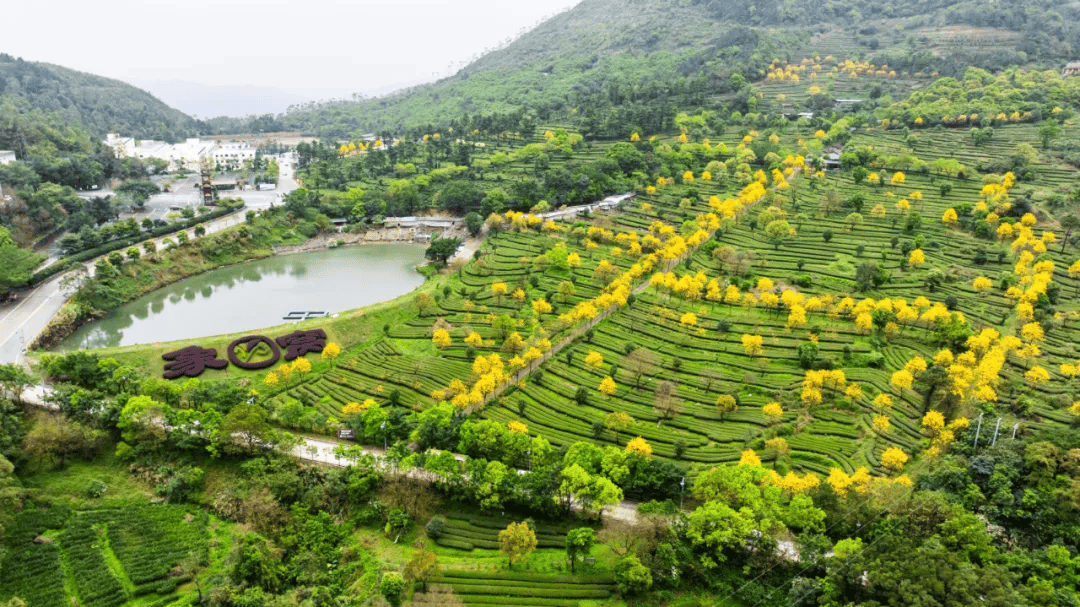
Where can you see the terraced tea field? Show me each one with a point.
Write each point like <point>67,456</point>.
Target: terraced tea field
<point>100,558</point>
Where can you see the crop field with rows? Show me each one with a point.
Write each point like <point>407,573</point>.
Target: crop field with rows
<point>100,558</point>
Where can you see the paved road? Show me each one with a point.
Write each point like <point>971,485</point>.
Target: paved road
<point>323,452</point>
<point>23,320</point>
<point>185,193</point>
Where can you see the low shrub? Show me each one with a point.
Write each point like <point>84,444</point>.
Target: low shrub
<point>453,543</point>
<point>435,526</point>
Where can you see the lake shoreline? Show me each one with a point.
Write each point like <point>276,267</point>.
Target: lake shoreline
<point>60,329</point>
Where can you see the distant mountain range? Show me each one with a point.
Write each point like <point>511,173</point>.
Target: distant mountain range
<point>637,54</point>
<point>99,104</point>
<point>605,64</point>
<point>208,101</point>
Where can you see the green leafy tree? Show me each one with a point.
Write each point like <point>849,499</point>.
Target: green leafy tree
<point>1047,133</point>
<point>442,249</point>
<point>13,380</point>
<point>578,544</point>
<point>777,231</point>
<point>423,566</point>
<point>459,197</point>
<point>254,560</point>
<point>54,438</point>
<point>715,527</point>
<point>18,265</point>
<point>631,576</point>
<point>138,191</point>
<point>391,587</point>
<point>474,223</point>
<point>244,431</point>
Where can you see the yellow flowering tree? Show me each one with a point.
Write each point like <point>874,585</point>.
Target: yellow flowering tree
<point>726,403</point>
<point>541,306</point>
<point>330,352</point>
<point>950,218</point>
<point>752,345</point>
<point>894,459</point>
<point>778,446</point>
<point>749,458</point>
<point>607,386</point>
<point>772,412</point>
<point>594,359</point>
<point>441,338</point>
<point>881,423</point>
<point>639,446</point>
<point>473,340</point>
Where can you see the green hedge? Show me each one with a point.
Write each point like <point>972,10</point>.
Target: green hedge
<point>69,261</point>
<point>529,577</point>
<point>527,591</point>
<point>447,542</point>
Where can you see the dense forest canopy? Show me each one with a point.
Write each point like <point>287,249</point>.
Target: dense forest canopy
<point>100,104</point>
<point>626,54</point>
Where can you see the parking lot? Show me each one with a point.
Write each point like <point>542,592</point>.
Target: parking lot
<point>185,192</point>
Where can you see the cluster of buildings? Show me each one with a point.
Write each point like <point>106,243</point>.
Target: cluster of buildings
<point>189,154</point>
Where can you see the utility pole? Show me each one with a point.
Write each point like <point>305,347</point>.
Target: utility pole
<point>978,428</point>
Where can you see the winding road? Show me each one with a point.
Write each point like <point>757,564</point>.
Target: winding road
<point>23,320</point>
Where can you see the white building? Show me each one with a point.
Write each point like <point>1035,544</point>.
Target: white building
<point>233,154</point>
<point>7,157</point>
<point>187,154</point>
<point>123,147</point>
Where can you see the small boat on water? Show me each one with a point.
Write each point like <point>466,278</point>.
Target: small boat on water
<point>304,315</point>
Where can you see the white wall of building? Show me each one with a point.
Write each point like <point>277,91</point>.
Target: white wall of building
<point>187,154</point>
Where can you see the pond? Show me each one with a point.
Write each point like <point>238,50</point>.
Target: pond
<point>258,294</point>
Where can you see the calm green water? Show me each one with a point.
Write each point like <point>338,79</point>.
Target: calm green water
<point>258,294</point>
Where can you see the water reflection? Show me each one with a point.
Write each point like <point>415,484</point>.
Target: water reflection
<point>258,294</point>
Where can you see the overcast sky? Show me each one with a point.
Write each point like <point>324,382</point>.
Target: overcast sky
<point>315,48</point>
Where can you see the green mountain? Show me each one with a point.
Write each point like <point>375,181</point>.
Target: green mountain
<point>100,104</point>
<point>614,64</point>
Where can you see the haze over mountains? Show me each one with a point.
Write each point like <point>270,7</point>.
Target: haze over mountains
<point>640,53</point>
<point>637,55</point>
<point>212,100</point>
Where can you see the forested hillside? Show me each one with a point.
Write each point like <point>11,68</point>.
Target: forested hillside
<point>100,104</point>
<point>643,56</point>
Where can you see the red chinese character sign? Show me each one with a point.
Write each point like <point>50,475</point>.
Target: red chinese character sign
<point>251,344</point>
<point>299,343</point>
<point>193,360</point>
